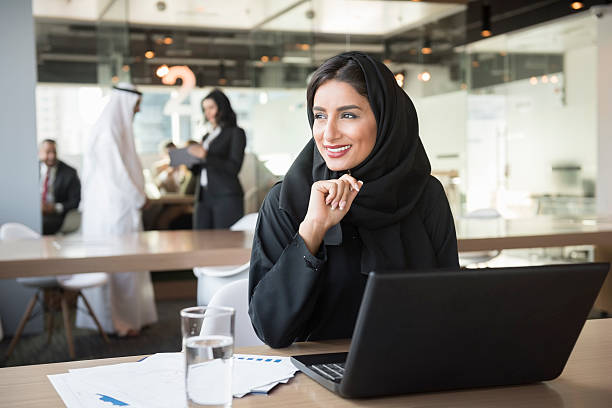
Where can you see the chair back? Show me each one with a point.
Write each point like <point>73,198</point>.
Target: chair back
<point>246,223</point>
<point>14,231</point>
<point>235,295</point>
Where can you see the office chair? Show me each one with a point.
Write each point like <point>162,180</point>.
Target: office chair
<point>54,287</point>
<point>212,278</point>
<point>235,295</point>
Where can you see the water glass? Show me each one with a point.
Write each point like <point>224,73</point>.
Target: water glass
<point>208,344</point>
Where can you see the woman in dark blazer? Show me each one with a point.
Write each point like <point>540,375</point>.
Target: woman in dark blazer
<point>219,195</point>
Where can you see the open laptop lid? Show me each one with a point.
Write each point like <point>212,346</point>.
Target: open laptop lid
<point>429,331</point>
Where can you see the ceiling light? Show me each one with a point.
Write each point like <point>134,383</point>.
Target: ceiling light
<point>577,5</point>
<point>168,40</point>
<point>424,76</point>
<point>533,80</point>
<point>426,49</point>
<point>149,52</point>
<point>264,58</point>
<point>486,20</point>
<point>162,71</point>
<point>125,68</point>
<point>222,77</point>
<point>554,79</point>
<point>544,79</point>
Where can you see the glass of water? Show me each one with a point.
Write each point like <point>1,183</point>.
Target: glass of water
<point>208,344</point>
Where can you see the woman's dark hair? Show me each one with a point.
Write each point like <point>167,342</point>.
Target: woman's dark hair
<point>226,117</point>
<point>341,68</point>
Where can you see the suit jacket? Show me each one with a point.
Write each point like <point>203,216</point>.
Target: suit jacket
<point>67,187</point>
<point>223,163</point>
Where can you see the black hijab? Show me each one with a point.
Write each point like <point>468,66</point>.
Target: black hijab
<point>394,173</point>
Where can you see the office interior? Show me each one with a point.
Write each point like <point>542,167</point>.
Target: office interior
<point>514,100</point>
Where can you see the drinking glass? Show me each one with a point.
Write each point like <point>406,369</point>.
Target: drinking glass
<point>208,344</point>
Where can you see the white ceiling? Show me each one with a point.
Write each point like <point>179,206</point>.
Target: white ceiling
<point>554,37</point>
<point>330,16</point>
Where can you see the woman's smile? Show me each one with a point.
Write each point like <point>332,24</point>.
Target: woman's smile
<point>335,151</point>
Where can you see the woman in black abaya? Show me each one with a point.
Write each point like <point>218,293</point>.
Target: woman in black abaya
<point>358,198</point>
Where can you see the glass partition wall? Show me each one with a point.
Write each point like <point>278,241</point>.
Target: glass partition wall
<point>531,112</point>
<point>508,122</point>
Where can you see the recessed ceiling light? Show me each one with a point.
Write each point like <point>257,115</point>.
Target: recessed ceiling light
<point>577,5</point>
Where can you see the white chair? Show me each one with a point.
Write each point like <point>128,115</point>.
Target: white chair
<point>212,278</point>
<point>476,258</point>
<point>235,295</point>
<point>52,285</point>
<point>72,222</point>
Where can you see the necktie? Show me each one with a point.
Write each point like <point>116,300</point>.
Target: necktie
<point>45,186</point>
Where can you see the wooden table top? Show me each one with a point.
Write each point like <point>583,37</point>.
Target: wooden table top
<point>171,250</point>
<point>148,251</point>
<point>535,232</point>
<point>586,381</point>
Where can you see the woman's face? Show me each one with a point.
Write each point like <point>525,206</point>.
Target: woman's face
<point>344,125</point>
<point>210,110</point>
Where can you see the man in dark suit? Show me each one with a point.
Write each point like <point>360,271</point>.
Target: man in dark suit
<point>60,187</point>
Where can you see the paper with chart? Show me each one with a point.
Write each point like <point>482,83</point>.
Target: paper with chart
<point>158,381</point>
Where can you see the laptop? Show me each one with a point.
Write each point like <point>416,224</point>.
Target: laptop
<point>442,330</point>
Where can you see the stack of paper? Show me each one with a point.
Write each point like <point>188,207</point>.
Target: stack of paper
<point>159,381</point>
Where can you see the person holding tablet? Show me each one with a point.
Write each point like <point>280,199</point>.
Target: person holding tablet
<point>219,199</point>
<point>358,197</point>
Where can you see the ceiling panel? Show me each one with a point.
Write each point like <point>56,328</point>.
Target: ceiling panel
<point>558,37</point>
<point>330,16</point>
<point>359,17</point>
<point>233,14</point>
<point>85,10</point>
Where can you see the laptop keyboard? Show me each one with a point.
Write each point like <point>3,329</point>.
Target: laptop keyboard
<point>333,371</point>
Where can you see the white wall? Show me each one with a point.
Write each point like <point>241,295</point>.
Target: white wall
<point>540,126</point>
<point>545,129</point>
<point>443,136</point>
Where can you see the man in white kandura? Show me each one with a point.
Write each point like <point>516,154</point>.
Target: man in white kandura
<point>113,196</point>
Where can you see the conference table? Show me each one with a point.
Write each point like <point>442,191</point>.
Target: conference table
<point>176,250</point>
<point>143,251</point>
<point>585,382</point>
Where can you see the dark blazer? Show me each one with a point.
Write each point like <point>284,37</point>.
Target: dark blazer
<point>223,163</point>
<point>297,296</point>
<point>67,187</point>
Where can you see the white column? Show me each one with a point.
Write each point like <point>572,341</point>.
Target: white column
<point>18,158</point>
<point>604,110</point>
<point>19,195</point>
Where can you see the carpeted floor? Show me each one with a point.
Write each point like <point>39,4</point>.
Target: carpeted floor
<point>163,336</point>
